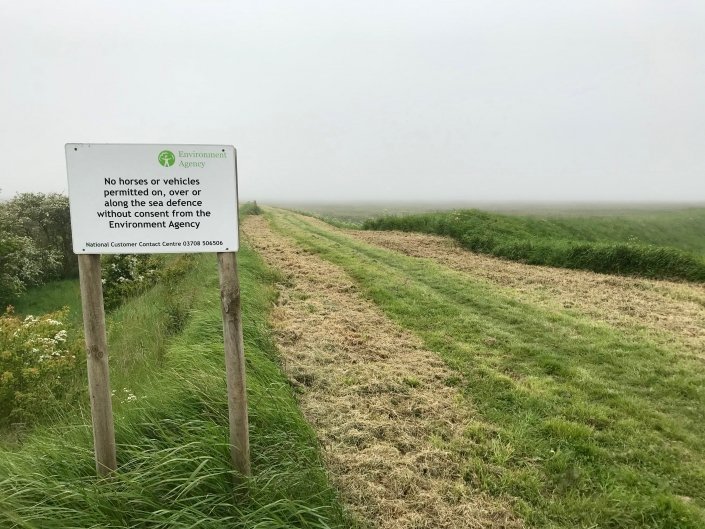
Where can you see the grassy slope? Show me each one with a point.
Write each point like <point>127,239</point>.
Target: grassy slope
<point>172,440</point>
<point>657,244</point>
<point>683,229</point>
<point>582,424</point>
<point>52,297</point>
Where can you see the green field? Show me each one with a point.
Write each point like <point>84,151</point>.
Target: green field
<point>357,213</point>
<point>665,244</point>
<point>581,424</point>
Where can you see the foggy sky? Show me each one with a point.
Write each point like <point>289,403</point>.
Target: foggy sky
<point>369,100</point>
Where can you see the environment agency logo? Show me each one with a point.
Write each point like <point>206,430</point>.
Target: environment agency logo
<point>166,158</point>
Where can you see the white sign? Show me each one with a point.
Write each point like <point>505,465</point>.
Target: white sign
<point>152,198</point>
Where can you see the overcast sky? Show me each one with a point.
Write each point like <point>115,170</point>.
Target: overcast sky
<point>376,100</point>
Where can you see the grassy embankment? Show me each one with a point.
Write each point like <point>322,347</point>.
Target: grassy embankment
<point>52,297</point>
<point>171,425</point>
<point>579,424</point>
<point>666,245</point>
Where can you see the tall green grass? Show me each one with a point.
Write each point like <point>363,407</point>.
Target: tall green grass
<point>51,297</point>
<point>668,248</point>
<point>171,429</point>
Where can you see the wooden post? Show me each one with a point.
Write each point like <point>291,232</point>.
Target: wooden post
<point>97,359</point>
<point>234,362</point>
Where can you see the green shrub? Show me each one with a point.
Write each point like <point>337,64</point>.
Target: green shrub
<point>38,358</point>
<point>250,208</point>
<point>46,220</point>
<point>35,243</point>
<point>23,264</point>
<point>176,306</point>
<point>127,275</point>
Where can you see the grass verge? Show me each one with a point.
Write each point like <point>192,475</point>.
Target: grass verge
<point>171,429</point>
<point>52,297</point>
<point>581,424</point>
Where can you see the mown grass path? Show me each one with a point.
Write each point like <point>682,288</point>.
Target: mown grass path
<point>383,406</point>
<point>582,423</point>
<point>665,311</point>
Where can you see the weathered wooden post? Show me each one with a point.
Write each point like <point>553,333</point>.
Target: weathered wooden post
<point>234,362</point>
<point>97,360</point>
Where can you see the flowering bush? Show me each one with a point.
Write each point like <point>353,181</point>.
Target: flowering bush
<point>127,275</point>
<point>22,264</point>
<point>39,358</point>
<point>35,243</point>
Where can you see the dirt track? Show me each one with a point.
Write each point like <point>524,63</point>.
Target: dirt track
<point>375,397</point>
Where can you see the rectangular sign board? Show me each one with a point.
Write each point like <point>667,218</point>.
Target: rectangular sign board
<point>152,198</point>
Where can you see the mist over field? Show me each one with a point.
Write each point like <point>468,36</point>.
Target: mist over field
<point>394,101</point>
<point>587,207</point>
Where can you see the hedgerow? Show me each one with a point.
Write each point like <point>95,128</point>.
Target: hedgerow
<point>536,241</point>
<point>35,243</point>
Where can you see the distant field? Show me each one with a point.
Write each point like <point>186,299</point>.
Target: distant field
<point>667,244</point>
<point>357,213</point>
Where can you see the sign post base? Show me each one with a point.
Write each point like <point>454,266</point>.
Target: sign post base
<point>234,362</point>
<point>97,360</point>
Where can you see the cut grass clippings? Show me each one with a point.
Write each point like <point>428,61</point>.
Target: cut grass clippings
<point>666,311</point>
<point>583,425</point>
<point>382,405</point>
<point>171,430</point>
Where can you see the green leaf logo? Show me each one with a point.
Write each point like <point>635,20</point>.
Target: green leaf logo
<point>166,158</point>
